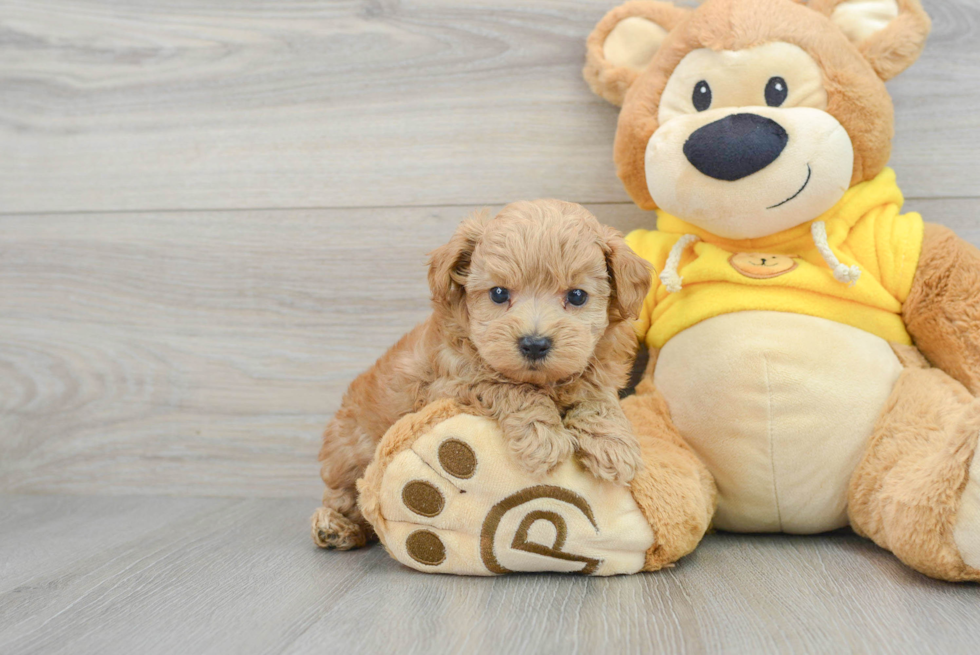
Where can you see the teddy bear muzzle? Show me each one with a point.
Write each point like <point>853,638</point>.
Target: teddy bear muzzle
<point>758,140</point>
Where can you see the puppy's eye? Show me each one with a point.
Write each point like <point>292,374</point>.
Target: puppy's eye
<point>499,295</point>
<point>702,96</point>
<point>577,297</point>
<point>776,91</point>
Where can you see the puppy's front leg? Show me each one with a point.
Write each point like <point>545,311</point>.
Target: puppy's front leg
<point>606,443</point>
<point>531,425</point>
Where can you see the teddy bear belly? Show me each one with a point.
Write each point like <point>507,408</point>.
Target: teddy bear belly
<point>780,407</point>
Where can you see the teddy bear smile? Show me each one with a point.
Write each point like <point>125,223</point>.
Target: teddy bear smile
<point>809,173</point>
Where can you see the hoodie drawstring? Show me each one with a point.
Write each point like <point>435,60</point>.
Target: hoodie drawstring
<point>849,275</point>
<point>842,272</point>
<point>670,278</point>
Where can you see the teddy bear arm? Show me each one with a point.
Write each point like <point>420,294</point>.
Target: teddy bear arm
<point>942,311</point>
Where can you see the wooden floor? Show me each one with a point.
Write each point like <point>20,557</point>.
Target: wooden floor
<point>215,213</point>
<point>188,575</point>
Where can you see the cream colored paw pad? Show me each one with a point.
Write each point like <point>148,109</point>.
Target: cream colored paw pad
<point>455,502</point>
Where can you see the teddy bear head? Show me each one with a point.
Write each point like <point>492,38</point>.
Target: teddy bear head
<point>749,117</point>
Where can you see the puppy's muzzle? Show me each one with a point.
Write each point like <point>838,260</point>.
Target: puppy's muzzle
<point>534,348</point>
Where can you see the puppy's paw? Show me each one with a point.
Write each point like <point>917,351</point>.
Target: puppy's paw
<point>613,457</point>
<point>539,447</point>
<point>334,531</point>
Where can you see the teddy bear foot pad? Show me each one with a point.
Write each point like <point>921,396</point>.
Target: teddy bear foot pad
<point>454,501</point>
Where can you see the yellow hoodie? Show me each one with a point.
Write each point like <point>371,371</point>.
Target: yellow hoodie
<point>867,237</point>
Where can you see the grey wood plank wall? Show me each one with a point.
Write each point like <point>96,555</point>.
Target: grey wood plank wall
<point>214,214</point>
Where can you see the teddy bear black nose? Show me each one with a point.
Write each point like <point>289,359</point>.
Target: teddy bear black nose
<point>735,146</point>
<point>534,348</point>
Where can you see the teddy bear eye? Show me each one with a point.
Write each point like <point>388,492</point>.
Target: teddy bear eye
<point>499,295</point>
<point>776,91</point>
<point>577,297</point>
<point>702,96</point>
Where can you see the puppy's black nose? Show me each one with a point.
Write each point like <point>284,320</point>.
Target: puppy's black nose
<point>735,146</point>
<point>534,348</point>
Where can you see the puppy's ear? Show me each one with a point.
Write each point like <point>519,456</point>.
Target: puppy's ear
<point>889,33</point>
<point>623,43</point>
<point>450,264</point>
<point>629,273</point>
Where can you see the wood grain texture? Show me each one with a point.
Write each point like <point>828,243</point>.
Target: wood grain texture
<point>198,347</point>
<point>206,104</point>
<point>202,353</point>
<point>164,575</point>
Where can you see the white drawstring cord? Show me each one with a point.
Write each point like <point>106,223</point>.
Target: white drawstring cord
<point>671,280</point>
<point>842,272</point>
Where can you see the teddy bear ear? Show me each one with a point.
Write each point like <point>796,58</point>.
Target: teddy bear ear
<point>889,33</point>
<point>623,43</point>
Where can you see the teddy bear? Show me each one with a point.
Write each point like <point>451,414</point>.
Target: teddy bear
<point>814,351</point>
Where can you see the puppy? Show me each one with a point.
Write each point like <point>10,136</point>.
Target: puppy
<point>530,327</point>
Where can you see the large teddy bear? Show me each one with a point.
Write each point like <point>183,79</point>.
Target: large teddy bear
<point>814,352</point>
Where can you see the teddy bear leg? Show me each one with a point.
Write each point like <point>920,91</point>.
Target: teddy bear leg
<point>916,491</point>
<point>674,489</point>
<point>445,495</point>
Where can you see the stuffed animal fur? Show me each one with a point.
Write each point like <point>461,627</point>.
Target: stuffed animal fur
<point>815,352</point>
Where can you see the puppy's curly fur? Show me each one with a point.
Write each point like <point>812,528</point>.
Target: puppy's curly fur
<point>469,349</point>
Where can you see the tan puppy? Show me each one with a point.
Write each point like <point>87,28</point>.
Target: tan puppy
<point>530,326</point>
